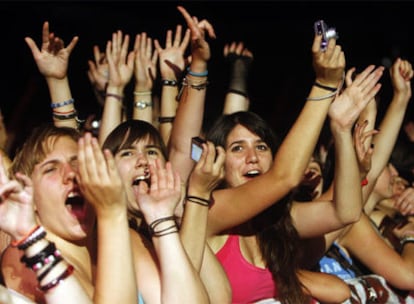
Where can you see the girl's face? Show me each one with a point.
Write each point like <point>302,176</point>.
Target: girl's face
<point>247,156</point>
<point>132,163</point>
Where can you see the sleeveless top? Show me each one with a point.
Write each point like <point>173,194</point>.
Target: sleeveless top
<point>337,262</point>
<point>248,282</point>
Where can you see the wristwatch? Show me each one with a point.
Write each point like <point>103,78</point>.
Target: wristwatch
<point>142,104</point>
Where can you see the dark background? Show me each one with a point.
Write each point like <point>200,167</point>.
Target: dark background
<point>278,33</point>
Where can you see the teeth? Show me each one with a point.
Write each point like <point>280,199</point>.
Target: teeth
<point>71,194</point>
<point>138,179</point>
<point>253,172</point>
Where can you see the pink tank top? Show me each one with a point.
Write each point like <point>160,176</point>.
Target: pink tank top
<point>248,282</point>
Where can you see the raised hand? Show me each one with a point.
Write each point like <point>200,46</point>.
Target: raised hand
<point>328,65</point>
<point>347,106</point>
<point>99,179</point>
<point>53,57</point>
<point>364,153</point>
<point>121,63</point>
<point>145,68</point>
<point>208,172</point>
<point>172,61</point>
<point>404,202</point>
<point>98,72</point>
<point>199,46</point>
<point>163,195</point>
<point>17,215</point>
<point>401,73</point>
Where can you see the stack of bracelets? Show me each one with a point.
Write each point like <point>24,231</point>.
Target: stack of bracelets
<point>65,115</point>
<point>43,258</point>
<point>197,81</point>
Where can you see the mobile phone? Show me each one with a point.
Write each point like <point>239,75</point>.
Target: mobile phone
<point>196,148</point>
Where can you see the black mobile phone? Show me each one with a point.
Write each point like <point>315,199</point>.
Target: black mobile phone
<point>196,148</point>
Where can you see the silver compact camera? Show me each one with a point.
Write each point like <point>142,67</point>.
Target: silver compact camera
<point>321,28</point>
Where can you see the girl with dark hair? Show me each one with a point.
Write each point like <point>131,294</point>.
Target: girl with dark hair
<point>257,240</point>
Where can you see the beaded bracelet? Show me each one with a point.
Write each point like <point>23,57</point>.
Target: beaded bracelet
<point>166,119</point>
<point>55,282</point>
<point>56,261</point>
<point>55,105</point>
<point>171,83</point>
<point>43,257</point>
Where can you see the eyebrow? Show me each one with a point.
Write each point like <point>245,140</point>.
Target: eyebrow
<point>56,161</point>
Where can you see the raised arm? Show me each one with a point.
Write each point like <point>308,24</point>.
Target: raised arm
<point>401,74</point>
<point>239,59</point>
<point>145,72</point>
<point>347,197</point>
<point>52,60</point>
<point>98,74</point>
<point>205,177</point>
<point>293,155</point>
<point>189,116</point>
<point>172,64</point>
<point>121,67</point>
<point>102,186</point>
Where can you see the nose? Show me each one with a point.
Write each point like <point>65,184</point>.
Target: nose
<point>141,160</point>
<point>69,173</point>
<point>251,156</point>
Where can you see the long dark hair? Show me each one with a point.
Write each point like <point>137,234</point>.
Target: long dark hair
<point>276,235</point>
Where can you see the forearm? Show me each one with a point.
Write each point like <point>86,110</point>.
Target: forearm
<point>142,108</point>
<point>193,232</point>
<point>180,281</point>
<point>297,147</point>
<point>389,129</point>
<point>115,275</point>
<point>60,93</point>
<point>347,183</point>
<point>112,112</point>
<point>168,110</point>
<point>187,124</point>
<point>234,102</point>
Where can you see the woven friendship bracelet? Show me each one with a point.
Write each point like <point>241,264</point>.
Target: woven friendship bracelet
<point>72,115</point>
<point>55,105</point>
